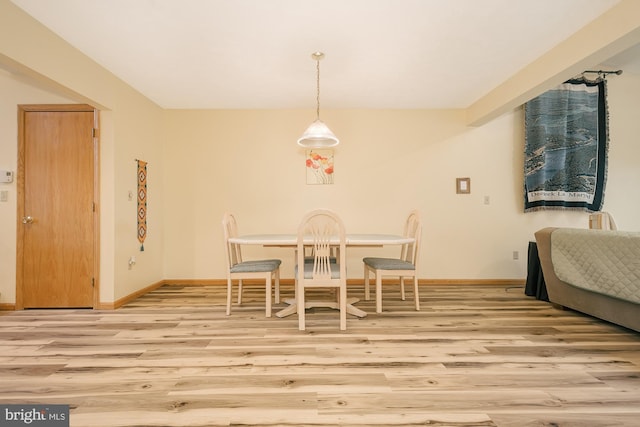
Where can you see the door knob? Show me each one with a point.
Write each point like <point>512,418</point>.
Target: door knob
<point>27,219</point>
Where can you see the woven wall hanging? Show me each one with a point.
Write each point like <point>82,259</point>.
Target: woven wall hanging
<point>142,202</point>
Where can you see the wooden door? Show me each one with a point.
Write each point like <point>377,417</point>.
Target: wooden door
<point>57,222</point>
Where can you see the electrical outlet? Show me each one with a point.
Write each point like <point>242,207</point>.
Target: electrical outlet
<point>516,255</point>
<point>487,200</point>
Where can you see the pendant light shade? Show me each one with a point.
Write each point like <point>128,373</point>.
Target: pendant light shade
<point>318,134</point>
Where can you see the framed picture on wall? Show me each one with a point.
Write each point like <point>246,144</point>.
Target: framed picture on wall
<point>319,166</point>
<point>463,185</point>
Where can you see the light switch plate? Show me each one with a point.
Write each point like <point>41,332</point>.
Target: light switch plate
<point>4,196</point>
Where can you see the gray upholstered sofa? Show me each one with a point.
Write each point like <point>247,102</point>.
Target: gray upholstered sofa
<point>596,272</point>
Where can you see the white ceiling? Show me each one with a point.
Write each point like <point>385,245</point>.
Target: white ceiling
<point>256,54</point>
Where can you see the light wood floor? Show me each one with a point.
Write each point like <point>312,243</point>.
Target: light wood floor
<point>474,356</point>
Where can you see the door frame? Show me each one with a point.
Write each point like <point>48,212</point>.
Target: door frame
<point>20,182</point>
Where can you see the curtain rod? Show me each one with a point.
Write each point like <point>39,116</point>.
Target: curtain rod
<point>601,72</point>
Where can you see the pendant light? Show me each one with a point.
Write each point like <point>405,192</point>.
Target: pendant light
<point>318,135</point>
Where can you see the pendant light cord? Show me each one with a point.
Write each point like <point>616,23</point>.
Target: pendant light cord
<point>318,89</point>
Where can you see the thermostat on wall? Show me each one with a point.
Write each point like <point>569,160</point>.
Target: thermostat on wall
<point>6,176</point>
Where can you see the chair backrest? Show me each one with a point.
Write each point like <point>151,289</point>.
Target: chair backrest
<point>602,221</point>
<point>232,251</point>
<point>320,231</point>
<point>412,228</point>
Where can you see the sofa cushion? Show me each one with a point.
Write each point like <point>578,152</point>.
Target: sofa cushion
<point>607,262</point>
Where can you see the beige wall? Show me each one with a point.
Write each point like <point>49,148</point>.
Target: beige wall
<point>131,127</point>
<point>622,196</point>
<point>202,163</point>
<point>388,162</point>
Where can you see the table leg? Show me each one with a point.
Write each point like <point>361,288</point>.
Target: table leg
<point>293,308</point>
<point>288,311</point>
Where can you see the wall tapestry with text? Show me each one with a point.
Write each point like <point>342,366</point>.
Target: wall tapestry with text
<point>566,145</point>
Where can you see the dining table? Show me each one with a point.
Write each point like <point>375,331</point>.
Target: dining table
<point>291,241</point>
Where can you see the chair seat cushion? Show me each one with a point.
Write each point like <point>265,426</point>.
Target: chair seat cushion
<point>256,266</point>
<point>309,259</point>
<point>388,264</point>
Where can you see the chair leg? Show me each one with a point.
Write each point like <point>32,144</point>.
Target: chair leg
<point>239,291</point>
<point>267,295</point>
<point>277,291</point>
<point>402,297</point>
<point>367,293</point>
<point>300,301</point>
<point>416,294</point>
<point>378,291</point>
<point>343,308</point>
<point>229,291</point>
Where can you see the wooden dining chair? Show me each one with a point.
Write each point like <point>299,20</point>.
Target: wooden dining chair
<point>602,221</point>
<point>237,269</point>
<point>403,267</point>
<point>321,231</point>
